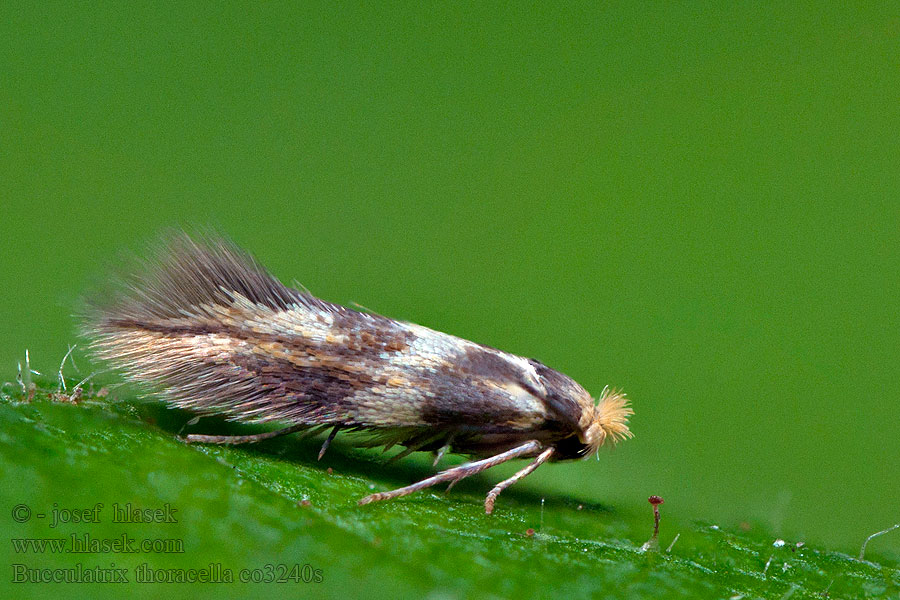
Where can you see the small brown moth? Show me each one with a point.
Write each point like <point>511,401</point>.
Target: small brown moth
<point>215,333</point>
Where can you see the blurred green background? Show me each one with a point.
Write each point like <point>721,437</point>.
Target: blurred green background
<point>696,203</point>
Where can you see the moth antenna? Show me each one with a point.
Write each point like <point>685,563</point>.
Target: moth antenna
<point>234,440</point>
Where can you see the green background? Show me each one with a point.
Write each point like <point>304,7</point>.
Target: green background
<point>695,203</point>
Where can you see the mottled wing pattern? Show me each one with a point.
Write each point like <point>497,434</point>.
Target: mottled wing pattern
<point>209,327</point>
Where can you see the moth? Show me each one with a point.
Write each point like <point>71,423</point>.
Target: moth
<point>207,327</point>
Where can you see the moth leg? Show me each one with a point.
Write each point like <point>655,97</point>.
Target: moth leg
<point>328,440</point>
<point>195,438</point>
<point>414,447</point>
<point>492,495</point>
<point>440,453</point>
<point>456,473</point>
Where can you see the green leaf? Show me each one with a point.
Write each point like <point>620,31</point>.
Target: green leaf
<point>273,510</point>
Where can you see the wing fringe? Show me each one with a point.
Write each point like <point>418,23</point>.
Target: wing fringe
<point>183,273</point>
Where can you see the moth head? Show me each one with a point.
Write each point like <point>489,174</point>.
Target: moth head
<point>609,421</point>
